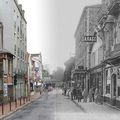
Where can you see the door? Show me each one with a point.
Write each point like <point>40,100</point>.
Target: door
<point>113,85</point>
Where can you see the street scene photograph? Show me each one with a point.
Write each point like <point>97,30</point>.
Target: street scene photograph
<point>60,59</point>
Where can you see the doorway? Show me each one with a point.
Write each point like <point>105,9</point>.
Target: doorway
<point>113,85</point>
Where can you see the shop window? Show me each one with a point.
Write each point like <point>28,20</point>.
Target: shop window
<point>108,89</point>
<point>119,91</point>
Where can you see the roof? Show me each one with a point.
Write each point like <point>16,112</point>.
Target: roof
<point>84,10</point>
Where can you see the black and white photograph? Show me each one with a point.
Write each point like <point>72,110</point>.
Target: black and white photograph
<point>59,59</point>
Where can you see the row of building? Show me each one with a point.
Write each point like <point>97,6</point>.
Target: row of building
<point>20,71</point>
<point>97,51</point>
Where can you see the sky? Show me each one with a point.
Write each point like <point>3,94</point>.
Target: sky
<point>51,25</point>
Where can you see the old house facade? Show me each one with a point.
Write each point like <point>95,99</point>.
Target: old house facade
<point>85,27</point>
<point>15,41</point>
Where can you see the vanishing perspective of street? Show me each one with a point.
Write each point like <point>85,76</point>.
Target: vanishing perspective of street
<point>55,106</point>
<point>59,59</point>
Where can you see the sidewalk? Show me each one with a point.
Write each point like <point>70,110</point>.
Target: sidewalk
<point>20,104</point>
<point>92,107</point>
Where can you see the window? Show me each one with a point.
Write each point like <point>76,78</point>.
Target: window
<point>107,74</point>
<point>18,52</point>
<point>15,49</point>
<point>15,26</point>
<point>21,53</point>
<point>18,29</point>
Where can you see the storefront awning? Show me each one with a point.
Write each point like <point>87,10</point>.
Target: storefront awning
<point>113,60</point>
<point>4,52</point>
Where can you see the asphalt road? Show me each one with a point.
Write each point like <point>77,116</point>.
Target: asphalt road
<point>54,106</point>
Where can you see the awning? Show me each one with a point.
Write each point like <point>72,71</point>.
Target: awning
<point>113,60</point>
<point>5,52</point>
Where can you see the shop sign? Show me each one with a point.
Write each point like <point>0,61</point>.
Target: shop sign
<point>89,39</point>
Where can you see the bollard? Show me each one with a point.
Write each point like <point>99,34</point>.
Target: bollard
<point>2,108</point>
<point>15,103</point>
<point>10,103</point>
<point>20,101</point>
<point>29,97</point>
<point>23,100</point>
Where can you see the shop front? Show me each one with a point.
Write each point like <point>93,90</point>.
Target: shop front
<point>112,82</point>
<point>79,78</point>
<point>96,78</point>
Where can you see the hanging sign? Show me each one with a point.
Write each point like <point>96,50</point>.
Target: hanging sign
<point>89,39</point>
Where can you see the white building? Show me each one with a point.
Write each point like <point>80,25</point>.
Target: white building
<point>35,70</point>
<point>15,39</point>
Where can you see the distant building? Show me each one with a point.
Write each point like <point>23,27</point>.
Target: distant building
<point>69,65</point>
<point>35,70</point>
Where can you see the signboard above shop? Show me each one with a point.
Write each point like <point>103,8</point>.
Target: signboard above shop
<point>89,39</point>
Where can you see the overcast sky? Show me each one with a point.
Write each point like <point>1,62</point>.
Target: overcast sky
<point>51,25</point>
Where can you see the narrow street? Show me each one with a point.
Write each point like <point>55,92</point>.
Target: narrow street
<point>54,106</point>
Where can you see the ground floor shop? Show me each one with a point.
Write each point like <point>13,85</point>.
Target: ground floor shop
<point>96,78</point>
<point>79,78</point>
<point>112,84</point>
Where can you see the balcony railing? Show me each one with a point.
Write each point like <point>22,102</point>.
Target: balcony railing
<point>102,13</point>
<point>113,7</point>
<point>112,3</point>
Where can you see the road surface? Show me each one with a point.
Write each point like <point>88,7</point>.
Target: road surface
<point>54,106</point>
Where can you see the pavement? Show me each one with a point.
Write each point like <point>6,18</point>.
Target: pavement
<point>14,108</point>
<point>92,106</point>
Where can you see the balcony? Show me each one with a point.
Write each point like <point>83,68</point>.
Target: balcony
<point>102,14</point>
<point>113,7</point>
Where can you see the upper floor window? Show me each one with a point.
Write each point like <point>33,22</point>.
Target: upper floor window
<point>18,29</point>
<point>14,26</point>
<point>18,52</point>
<point>15,49</point>
<point>116,31</point>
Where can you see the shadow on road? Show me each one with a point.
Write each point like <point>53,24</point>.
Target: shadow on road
<point>79,106</point>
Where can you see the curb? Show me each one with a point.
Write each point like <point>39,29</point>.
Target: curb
<point>19,108</point>
<point>105,104</point>
<point>111,106</point>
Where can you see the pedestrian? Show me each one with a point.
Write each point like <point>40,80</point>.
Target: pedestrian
<point>85,94</point>
<point>74,93</point>
<point>91,95</point>
<point>96,95</point>
<point>79,95</point>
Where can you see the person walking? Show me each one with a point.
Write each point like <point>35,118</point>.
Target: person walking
<point>85,95</point>
<point>96,95</point>
<point>79,95</point>
<point>91,95</point>
<point>74,93</point>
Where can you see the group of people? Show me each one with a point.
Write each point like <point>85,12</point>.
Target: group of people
<point>92,96</point>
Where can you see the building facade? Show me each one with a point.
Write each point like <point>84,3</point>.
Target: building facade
<point>111,36</point>
<point>86,26</point>
<point>101,58</point>
<point>15,41</point>
<point>35,70</point>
